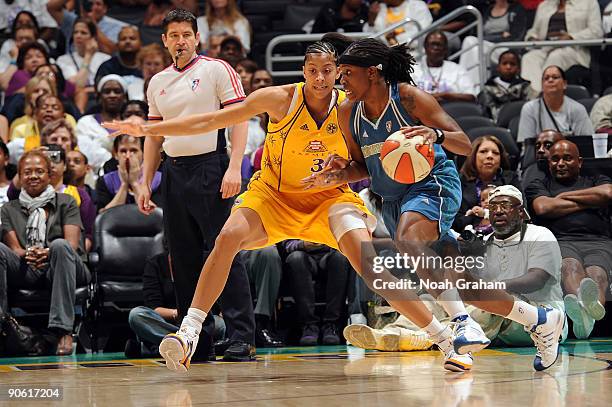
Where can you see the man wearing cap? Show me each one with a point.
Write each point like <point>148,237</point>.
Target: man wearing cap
<point>524,256</point>
<point>575,209</point>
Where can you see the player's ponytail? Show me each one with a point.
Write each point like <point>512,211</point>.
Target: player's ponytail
<point>395,64</point>
<point>399,65</point>
<point>332,44</point>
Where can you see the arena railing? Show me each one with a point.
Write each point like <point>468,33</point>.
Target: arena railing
<point>271,59</point>
<point>601,42</point>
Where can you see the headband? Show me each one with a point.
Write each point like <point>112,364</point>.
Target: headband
<point>364,62</point>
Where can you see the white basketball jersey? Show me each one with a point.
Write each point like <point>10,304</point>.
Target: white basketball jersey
<point>203,85</point>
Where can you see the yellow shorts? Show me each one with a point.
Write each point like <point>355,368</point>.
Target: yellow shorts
<point>302,216</point>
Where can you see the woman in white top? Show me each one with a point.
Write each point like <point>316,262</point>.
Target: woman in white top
<point>223,17</point>
<point>80,66</point>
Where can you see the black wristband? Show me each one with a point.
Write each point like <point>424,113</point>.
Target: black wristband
<point>439,135</point>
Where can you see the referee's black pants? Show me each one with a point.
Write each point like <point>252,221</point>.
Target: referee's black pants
<point>194,214</point>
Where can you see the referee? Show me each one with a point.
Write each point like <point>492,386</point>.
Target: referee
<point>199,179</point>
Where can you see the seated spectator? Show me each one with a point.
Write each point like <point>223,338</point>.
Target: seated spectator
<point>504,20</point>
<point>445,80</point>
<point>48,108</point>
<point>213,46</point>
<point>557,20</point>
<point>136,108</point>
<point>575,209</point>
<point>307,262</point>
<point>553,110</point>
<point>20,36</point>
<point>539,168</point>
<point>261,79</point>
<point>223,17</point>
<point>505,87</point>
<point>531,271</point>
<point>124,63</point>
<point>35,87</point>
<point>94,139</point>
<point>59,132</point>
<point>60,182</point>
<point>31,56</point>
<point>158,316</point>
<point>5,179</point>
<point>78,169</point>
<point>117,187</point>
<point>246,68</point>
<point>80,65</point>
<point>41,243</point>
<point>341,16</point>
<point>486,165</point>
<point>384,14</point>
<point>231,50</point>
<point>483,228</point>
<point>4,129</point>
<point>265,269</point>
<point>151,59</point>
<point>26,12</point>
<point>108,27</point>
<point>601,115</point>
<point>607,19</point>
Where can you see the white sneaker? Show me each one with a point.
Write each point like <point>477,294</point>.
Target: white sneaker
<point>469,336</point>
<point>588,295</point>
<point>582,323</point>
<point>177,349</point>
<point>452,360</point>
<point>364,337</point>
<point>355,319</point>
<point>546,335</point>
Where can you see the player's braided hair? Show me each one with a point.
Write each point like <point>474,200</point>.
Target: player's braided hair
<point>395,63</point>
<point>333,44</point>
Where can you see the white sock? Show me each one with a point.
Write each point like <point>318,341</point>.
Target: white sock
<point>523,313</point>
<point>194,319</point>
<point>434,327</point>
<point>451,301</point>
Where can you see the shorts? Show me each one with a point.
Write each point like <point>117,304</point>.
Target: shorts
<point>302,216</point>
<point>589,253</point>
<point>438,198</point>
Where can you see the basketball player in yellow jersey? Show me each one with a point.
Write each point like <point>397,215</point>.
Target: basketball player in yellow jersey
<point>303,132</point>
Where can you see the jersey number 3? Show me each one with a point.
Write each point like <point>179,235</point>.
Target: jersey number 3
<point>317,164</point>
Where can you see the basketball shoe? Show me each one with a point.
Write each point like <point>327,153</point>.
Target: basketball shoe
<point>545,335</point>
<point>469,336</point>
<point>390,340</point>
<point>452,360</point>
<point>177,349</point>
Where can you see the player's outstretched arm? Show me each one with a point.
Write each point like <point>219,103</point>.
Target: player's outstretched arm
<point>427,110</point>
<point>257,102</point>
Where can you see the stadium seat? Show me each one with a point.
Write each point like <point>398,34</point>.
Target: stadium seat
<point>459,109</point>
<point>297,15</point>
<point>124,239</point>
<point>275,9</point>
<point>577,92</point>
<point>471,122</point>
<point>514,126</point>
<point>587,103</point>
<point>508,112</point>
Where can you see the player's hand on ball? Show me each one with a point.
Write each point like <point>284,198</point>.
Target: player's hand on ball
<point>231,184</point>
<point>429,136</point>
<point>133,125</point>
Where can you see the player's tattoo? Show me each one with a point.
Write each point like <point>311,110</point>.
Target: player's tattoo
<point>409,103</point>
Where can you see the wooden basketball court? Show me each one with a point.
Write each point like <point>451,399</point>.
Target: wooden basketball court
<point>326,376</point>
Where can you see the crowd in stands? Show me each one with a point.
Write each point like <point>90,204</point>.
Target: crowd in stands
<point>65,68</point>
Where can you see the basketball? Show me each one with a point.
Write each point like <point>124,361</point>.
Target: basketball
<point>403,161</point>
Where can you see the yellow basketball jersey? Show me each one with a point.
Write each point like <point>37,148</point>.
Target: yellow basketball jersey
<point>296,146</point>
